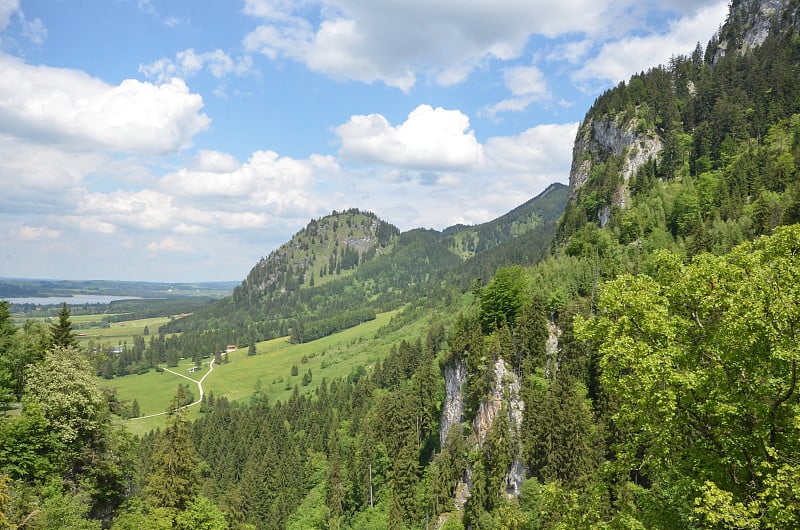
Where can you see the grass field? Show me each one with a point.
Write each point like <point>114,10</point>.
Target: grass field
<point>118,332</point>
<point>332,357</point>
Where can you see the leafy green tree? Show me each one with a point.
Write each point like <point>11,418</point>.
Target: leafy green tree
<point>29,448</point>
<point>61,334</point>
<point>7,336</point>
<point>65,388</point>
<point>404,506</point>
<point>700,364</point>
<point>201,514</point>
<point>497,458</point>
<point>65,510</point>
<point>29,346</point>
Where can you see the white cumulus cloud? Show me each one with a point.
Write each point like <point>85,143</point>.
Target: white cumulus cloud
<point>393,42</point>
<point>526,84</point>
<point>49,105</point>
<point>431,138</point>
<point>169,244</point>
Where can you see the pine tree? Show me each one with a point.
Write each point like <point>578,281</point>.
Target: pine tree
<point>173,481</point>
<point>61,330</point>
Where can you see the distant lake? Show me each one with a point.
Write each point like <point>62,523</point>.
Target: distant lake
<point>78,299</point>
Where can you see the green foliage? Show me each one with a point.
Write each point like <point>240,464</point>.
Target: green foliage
<point>61,334</point>
<point>699,362</point>
<point>502,299</point>
<point>64,388</point>
<point>173,479</point>
<point>28,445</point>
<point>201,514</point>
<point>64,510</point>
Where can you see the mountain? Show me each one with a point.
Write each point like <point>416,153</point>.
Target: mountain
<point>712,134</point>
<point>350,264</point>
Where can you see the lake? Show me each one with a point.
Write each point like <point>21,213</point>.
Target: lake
<point>78,299</point>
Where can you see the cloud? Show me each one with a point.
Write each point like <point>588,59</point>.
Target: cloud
<point>33,233</point>
<point>394,42</point>
<point>59,106</point>
<point>148,7</point>
<point>7,9</point>
<point>514,169</point>
<point>572,52</point>
<point>543,152</point>
<point>139,210</point>
<point>618,60</point>
<point>266,182</point>
<point>168,244</point>
<point>188,63</point>
<point>215,161</point>
<point>35,31</point>
<point>526,84</point>
<point>428,139</point>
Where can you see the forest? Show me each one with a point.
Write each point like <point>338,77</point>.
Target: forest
<point>631,362</point>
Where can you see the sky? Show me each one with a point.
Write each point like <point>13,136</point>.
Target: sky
<point>183,140</point>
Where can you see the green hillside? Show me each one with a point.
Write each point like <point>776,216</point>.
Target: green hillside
<point>268,373</point>
<point>344,268</point>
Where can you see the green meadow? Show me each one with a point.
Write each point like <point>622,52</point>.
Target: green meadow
<point>117,332</point>
<point>268,372</point>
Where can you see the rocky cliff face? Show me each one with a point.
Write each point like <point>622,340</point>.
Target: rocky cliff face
<point>599,138</point>
<point>750,22</point>
<point>552,349</point>
<point>505,389</point>
<point>455,376</point>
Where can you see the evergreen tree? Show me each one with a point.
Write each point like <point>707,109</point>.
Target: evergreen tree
<point>61,334</point>
<point>173,481</point>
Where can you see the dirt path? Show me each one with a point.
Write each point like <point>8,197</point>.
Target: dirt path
<point>199,386</point>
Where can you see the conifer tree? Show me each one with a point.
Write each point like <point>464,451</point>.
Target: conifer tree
<point>173,480</point>
<point>61,330</point>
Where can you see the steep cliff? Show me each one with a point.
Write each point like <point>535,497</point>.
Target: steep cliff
<point>611,135</point>
<point>455,375</point>
<point>749,24</point>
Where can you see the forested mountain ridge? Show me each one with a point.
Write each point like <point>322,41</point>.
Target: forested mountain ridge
<point>467,241</point>
<point>326,247</point>
<point>715,130</point>
<point>340,269</point>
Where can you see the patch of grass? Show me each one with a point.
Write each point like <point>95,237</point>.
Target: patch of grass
<point>332,357</point>
<point>117,332</point>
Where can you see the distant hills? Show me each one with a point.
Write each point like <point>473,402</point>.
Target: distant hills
<point>22,287</point>
<point>353,262</point>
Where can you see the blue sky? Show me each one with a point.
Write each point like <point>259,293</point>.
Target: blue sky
<point>177,140</point>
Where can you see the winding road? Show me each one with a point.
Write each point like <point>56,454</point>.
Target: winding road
<point>199,386</point>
